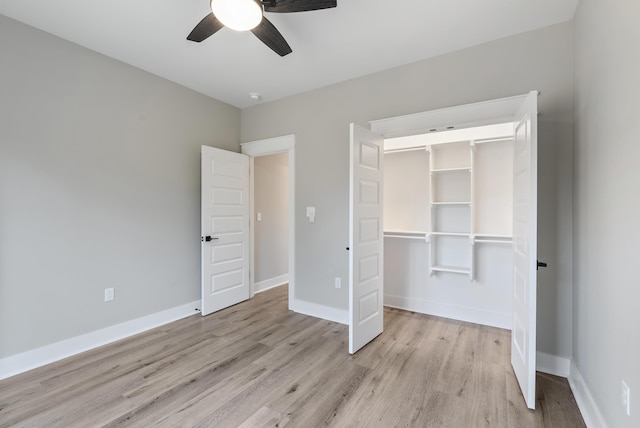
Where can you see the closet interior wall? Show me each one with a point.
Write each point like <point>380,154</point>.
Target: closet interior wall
<point>447,220</point>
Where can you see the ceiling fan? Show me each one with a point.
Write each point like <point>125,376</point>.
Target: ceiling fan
<point>244,15</point>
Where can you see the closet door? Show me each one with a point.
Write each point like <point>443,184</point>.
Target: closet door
<point>366,242</point>
<point>525,190</point>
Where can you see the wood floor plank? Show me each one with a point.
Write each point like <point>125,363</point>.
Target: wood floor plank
<point>265,418</point>
<point>186,388</point>
<point>280,379</point>
<point>557,403</point>
<point>257,364</point>
<point>518,415</point>
<point>375,352</point>
<point>83,410</point>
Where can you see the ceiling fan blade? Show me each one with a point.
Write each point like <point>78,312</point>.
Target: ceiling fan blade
<point>286,6</point>
<point>271,37</point>
<point>205,28</point>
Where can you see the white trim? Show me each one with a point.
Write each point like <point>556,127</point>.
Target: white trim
<point>445,310</point>
<point>19,363</point>
<point>587,405</point>
<point>320,311</point>
<point>466,116</point>
<point>267,284</point>
<point>271,146</point>
<point>252,220</point>
<point>481,134</point>
<point>552,364</point>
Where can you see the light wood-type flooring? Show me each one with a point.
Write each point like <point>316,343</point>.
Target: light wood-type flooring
<point>258,365</point>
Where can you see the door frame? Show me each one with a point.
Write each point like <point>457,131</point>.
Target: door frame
<point>273,146</point>
<point>491,112</point>
<point>459,117</point>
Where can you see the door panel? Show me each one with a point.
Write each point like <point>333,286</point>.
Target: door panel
<point>225,218</point>
<point>523,334</point>
<point>366,238</point>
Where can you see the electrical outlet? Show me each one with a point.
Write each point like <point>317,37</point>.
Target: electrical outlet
<point>108,294</point>
<point>626,398</point>
<point>259,216</point>
<point>338,282</point>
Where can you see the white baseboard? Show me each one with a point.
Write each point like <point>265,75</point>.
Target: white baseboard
<point>320,311</point>
<point>551,364</point>
<point>19,363</point>
<point>270,283</point>
<point>587,405</point>
<point>460,313</point>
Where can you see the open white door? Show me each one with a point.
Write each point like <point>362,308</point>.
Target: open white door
<point>525,205</point>
<point>225,229</point>
<point>365,238</point>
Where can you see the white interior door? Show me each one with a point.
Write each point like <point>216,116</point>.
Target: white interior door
<point>525,205</point>
<point>365,238</point>
<point>225,229</point>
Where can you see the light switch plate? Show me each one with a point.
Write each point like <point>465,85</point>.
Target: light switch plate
<point>311,211</point>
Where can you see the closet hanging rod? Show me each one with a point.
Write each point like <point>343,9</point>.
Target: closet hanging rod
<point>424,147</point>
<point>408,149</point>
<point>494,140</point>
<point>421,238</point>
<point>492,241</point>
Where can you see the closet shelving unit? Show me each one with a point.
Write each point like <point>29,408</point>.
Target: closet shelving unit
<point>454,229</point>
<point>451,203</point>
<point>465,192</point>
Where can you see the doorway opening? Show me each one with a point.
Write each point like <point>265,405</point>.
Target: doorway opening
<point>228,225</point>
<point>448,224</point>
<point>270,211</point>
<point>522,112</point>
<point>267,158</point>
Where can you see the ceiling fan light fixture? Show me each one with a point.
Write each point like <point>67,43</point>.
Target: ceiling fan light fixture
<point>239,15</point>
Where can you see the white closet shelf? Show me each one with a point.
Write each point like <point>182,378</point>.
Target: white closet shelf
<point>492,239</point>
<point>445,170</point>
<point>451,234</point>
<point>406,234</point>
<point>419,238</point>
<point>453,269</point>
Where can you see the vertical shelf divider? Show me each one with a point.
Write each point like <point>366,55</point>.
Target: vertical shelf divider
<point>432,238</point>
<point>472,223</point>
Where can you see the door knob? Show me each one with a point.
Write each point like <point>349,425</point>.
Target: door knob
<point>208,238</point>
<point>541,264</point>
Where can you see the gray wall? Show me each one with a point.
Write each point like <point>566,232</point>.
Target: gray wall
<point>271,198</point>
<point>99,187</point>
<point>606,294</point>
<point>320,119</point>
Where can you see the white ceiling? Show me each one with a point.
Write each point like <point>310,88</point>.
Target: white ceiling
<point>356,38</point>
